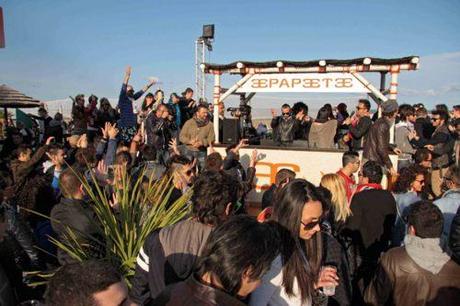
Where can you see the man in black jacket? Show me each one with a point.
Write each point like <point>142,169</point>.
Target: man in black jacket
<point>284,126</point>
<point>440,144</point>
<point>72,214</point>
<point>359,125</point>
<point>369,227</point>
<point>377,145</point>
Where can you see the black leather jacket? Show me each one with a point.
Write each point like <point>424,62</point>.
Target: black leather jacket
<point>284,130</point>
<point>19,241</point>
<point>377,145</point>
<point>159,131</point>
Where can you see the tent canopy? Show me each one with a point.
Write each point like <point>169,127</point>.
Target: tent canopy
<point>11,98</point>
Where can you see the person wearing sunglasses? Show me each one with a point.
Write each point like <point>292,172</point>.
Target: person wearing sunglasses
<point>358,125</point>
<point>284,126</point>
<point>440,144</point>
<point>296,275</point>
<point>407,190</point>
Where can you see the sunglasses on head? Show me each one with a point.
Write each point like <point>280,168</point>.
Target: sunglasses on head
<point>311,225</point>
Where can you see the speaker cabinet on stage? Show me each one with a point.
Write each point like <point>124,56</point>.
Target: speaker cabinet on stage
<point>208,31</point>
<point>231,131</point>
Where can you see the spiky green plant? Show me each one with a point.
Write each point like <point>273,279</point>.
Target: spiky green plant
<point>141,209</point>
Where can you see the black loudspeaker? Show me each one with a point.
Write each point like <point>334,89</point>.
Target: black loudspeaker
<point>231,131</point>
<point>208,31</point>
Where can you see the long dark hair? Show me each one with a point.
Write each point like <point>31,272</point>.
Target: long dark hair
<point>238,246</point>
<point>324,114</point>
<point>301,258</point>
<point>144,103</point>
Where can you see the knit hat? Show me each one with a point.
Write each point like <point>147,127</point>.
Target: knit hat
<point>389,106</point>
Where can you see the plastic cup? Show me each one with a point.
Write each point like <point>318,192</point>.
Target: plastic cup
<point>329,290</point>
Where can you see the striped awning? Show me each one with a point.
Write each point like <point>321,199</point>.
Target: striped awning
<point>11,98</point>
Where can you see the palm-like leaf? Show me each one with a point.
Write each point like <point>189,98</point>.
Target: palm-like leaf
<point>141,210</point>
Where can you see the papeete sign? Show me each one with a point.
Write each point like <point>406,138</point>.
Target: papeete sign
<point>303,82</point>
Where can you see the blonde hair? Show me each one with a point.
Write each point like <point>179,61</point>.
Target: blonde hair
<point>336,185</point>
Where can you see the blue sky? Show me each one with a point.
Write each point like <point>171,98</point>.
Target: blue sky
<point>60,48</point>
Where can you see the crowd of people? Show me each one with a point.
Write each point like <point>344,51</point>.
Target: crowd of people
<point>347,241</point>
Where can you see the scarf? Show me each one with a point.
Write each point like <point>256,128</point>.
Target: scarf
<point>426,252</point>
<point>200,123</point>
<point>406,124</point>
<point>368,186</point>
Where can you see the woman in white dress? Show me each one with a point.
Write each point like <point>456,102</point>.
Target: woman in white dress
<point>296,274</point>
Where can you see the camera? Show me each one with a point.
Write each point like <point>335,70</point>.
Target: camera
<point>242,110</point>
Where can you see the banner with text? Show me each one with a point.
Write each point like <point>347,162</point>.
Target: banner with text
<point>303,82</point>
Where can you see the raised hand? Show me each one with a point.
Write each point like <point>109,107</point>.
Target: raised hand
<point>347,121</point>
<point>128,70</point>
<point>114,203</point>
<point>152,81</point>
<point>113,131</point>
<point>82,142</point>
<point>105,130</point>
<point>101,171</point>
<point>243,143</point>
<point>173,146</point>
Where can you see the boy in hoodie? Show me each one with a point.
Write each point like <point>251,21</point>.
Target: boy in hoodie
<point>420,272</point>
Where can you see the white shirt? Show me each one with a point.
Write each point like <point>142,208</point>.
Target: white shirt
<point>272,293</point>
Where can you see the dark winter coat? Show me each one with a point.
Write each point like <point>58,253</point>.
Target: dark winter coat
<point>377,144</point>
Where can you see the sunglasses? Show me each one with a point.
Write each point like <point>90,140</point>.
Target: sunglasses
<point>311,225</point>
<point>435,119</point>
<point>286,114</point>
<point>358,108</point>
